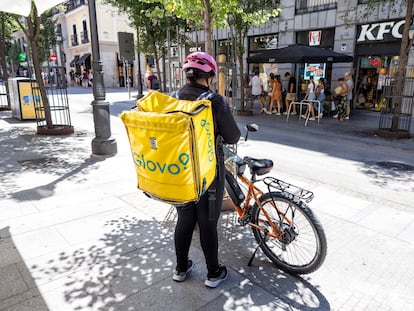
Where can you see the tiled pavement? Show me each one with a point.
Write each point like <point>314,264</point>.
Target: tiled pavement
<point>75,234</point>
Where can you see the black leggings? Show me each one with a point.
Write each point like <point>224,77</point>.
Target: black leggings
<point>188,216</point>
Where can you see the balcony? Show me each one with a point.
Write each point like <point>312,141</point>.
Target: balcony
<point>73,4</point>
<point>84,36</point>
<point>74,40</point>
<point>309,6</point>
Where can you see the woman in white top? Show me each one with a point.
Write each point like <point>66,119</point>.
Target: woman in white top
<point>310,95</point>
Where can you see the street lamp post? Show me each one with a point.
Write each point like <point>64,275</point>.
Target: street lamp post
<point>103,143</point>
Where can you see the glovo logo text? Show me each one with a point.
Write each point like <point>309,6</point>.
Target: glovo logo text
<point>164,168</point>
<point>210,142</point>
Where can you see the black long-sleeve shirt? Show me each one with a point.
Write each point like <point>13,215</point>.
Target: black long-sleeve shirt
<point>225,125</point>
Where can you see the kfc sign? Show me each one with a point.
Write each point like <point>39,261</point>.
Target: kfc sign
<point>386,31</point>
<point>315,38</point>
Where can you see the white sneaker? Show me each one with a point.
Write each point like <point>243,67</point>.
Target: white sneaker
<point>284,112</point>
<point>293,113</point>
<point>274,111</point>
<point>278,113</point>
<point>263,110</point>
<point>215,281</point>
<point>346,118</point>
<point>335,116</point>
<point>180,276</point>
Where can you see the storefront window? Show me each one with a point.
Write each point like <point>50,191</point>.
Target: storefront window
<point>318,71</point>
<point>371,77</point>
<point>260,43</point>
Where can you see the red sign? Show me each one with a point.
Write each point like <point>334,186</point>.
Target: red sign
<point>315,37</point>
<point>52,57</point>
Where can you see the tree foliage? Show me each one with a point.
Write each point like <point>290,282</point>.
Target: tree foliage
<point>7,27</point>
<point>152,22</point>
<point>47,36</point>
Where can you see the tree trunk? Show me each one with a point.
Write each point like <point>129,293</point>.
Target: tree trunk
<point>33,30</point>
<point>403,60</point>
<point>3,57</point>
<point>207,25</point>
<point>157,65</point>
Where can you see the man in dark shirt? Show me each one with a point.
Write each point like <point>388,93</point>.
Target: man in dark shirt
<point>291,93</point>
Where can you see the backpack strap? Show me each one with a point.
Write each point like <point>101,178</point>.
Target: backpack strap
<point>212,190</point>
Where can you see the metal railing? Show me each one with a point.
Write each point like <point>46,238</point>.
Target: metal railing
<point>308,6</point>
<point>74,40</point>
<point>84,36</point>
<point>406,106</point>
<point>73,4</point>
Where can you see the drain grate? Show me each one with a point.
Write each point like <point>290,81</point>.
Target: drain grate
<point>402,167</point>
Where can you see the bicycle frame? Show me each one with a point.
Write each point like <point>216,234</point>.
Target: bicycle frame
<point>276,215</point>
<point>254,193</point>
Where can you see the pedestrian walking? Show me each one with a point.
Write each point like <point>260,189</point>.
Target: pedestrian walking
<point>257,93</point>
<point>350,84</point>
<point>291,93</point>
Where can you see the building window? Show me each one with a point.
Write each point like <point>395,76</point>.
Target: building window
<point>74,37</point>
<point>84,33</point>
<point>308,6</point>
<point>73,4</point>
<point>263,42</point>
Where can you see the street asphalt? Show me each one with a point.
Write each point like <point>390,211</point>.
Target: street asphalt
<point>76,234</point>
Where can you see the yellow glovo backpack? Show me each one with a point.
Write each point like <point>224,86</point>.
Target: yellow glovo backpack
<point>173,146</point>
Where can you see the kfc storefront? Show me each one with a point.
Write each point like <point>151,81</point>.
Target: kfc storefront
<point>377,52</point>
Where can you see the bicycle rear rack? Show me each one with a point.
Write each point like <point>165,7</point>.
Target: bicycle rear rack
<point>294,192</point>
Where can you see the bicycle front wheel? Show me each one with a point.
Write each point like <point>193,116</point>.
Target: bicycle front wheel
<point>301,245</point>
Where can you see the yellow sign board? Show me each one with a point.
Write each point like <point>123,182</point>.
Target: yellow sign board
<point>27,100</point>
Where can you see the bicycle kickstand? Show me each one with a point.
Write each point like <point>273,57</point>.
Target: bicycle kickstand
<point>257,247</point>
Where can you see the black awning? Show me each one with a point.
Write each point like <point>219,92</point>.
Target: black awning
<point>74,61</point>
<point>83,58</point>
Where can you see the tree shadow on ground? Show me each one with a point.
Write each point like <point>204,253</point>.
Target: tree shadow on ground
<point>18,291</point>
<point>25,153</point>
<point>394,175</point>
<point>130,268</point>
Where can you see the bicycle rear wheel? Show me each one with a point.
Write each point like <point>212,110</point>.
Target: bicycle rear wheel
<point>302,246</point>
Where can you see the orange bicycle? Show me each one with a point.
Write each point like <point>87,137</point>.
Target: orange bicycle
<point>285,228</point>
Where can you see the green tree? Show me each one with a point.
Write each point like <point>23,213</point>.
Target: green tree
<point>241,16</point>
<point>6,28</point>
<point>152,22</point>
<point>47,36</point>
<point>238,15</point>
<point>32,28</point>
<point>406,43</point>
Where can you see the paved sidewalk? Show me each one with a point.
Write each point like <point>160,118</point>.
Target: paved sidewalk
<point>76,234</point>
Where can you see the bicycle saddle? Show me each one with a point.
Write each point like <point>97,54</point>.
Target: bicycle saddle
<point>258,166</point>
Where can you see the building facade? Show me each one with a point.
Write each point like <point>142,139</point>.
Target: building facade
<point>373,39</point>
<point>77,42</point>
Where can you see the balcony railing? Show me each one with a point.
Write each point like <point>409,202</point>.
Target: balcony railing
<point>74,40</point>
<point>84,36</point>
<point>73,4</point>
<point>308,6</point>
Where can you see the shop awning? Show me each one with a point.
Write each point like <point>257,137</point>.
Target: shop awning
<point>74,61</point>
<point>83,58</point>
